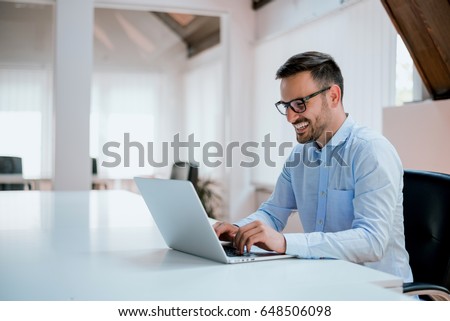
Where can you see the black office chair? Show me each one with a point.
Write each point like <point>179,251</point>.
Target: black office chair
<point>96,185</point>
<point>11,165</point>
<point>426,202</point>
<point>185,171</point>
<point>94,166</point>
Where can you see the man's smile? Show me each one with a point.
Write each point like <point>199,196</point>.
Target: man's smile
<point>301,127</point>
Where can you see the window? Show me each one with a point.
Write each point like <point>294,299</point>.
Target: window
<point>123,104</point>
<point>404,82</point>
<point>26,85</point>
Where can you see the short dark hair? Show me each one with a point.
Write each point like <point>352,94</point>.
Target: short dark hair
<point>324,70</point>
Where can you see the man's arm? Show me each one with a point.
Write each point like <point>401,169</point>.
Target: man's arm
<point>277,209</point>
<point>263,228</point>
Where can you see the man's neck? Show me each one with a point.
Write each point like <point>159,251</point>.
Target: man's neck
<point>328,134</point>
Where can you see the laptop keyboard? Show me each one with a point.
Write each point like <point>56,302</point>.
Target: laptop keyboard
<point>232,252</point>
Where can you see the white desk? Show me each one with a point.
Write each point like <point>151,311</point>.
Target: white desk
<point>37,183</point>
<point>103,245</point>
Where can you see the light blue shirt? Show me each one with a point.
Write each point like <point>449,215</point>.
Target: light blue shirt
<point>349,198</point>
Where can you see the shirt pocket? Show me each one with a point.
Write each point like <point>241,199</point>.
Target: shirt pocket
<point>340,213</point>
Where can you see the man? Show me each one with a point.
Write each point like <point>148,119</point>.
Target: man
<point>345,180</point>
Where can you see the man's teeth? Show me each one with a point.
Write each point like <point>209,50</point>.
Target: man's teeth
<point>301,125</point>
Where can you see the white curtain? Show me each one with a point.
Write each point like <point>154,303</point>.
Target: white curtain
<point>25,116</point>
<point>203,111</point>
<point>124,104</point>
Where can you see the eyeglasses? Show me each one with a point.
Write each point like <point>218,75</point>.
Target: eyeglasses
<point>298,105</point>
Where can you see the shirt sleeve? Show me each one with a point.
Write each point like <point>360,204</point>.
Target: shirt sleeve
<point>277,209</point>
<point>378,176</point>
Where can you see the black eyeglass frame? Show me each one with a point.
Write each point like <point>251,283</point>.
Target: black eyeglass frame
<point>303,102</point>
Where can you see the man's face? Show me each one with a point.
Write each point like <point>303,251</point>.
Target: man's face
<point>312,124</point>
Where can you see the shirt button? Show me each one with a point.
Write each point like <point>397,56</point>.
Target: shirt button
<point>320,222</point>
<point>323,193</point>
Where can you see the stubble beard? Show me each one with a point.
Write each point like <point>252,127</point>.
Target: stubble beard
<point>319,126</point>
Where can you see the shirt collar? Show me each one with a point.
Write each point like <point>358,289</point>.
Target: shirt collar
<point>343,132</point>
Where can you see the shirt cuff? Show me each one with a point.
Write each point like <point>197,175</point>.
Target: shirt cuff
<point>297,244</point>
<point>242,222</point>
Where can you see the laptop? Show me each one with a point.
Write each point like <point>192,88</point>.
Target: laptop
<point>184,224</point>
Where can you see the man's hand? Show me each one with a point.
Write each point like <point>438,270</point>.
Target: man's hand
<point>261,235</point>
<point>225,231</point>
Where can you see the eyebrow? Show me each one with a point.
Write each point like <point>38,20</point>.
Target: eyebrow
<point>298,98</point>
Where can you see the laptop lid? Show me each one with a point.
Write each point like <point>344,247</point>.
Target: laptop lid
<point>183,222</point>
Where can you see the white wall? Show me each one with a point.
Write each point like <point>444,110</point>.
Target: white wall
<point>360,37</point>
<point>278,17</point>
<point>31,42</point>
<point>420,132</point>
<point>72,87</point>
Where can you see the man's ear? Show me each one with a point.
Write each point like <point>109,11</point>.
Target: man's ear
<point>335,95</point>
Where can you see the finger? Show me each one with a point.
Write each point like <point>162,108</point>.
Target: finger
<point>254,240</point>
<point>217,225</point>
<point>244,229</point>
<point>250,226</point>
<point>217,228</point>
<point>245,239</point>
<point>238,243</point>
<point>225,231</point>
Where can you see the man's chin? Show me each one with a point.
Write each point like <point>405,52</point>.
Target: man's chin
<point>304,140</point>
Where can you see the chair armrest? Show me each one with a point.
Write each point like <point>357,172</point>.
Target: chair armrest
<point>435,292</point>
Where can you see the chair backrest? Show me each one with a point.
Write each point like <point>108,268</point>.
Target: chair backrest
<point>426,202</point>
<point>11,165</point>
<point>94,166</point>
<point>185,171</point>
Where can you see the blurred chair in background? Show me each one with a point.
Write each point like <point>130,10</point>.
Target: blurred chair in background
<point>10,165</point>
<point>185,171</point>
<point>94,166</point>
<point>97,183</point>
<point>207,189</point>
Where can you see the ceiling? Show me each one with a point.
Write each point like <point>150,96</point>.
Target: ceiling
<point>424,27</point>
<point>198,32</point>
<point>122,37</point>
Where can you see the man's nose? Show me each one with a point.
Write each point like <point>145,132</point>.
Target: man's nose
<point>291,115</point>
